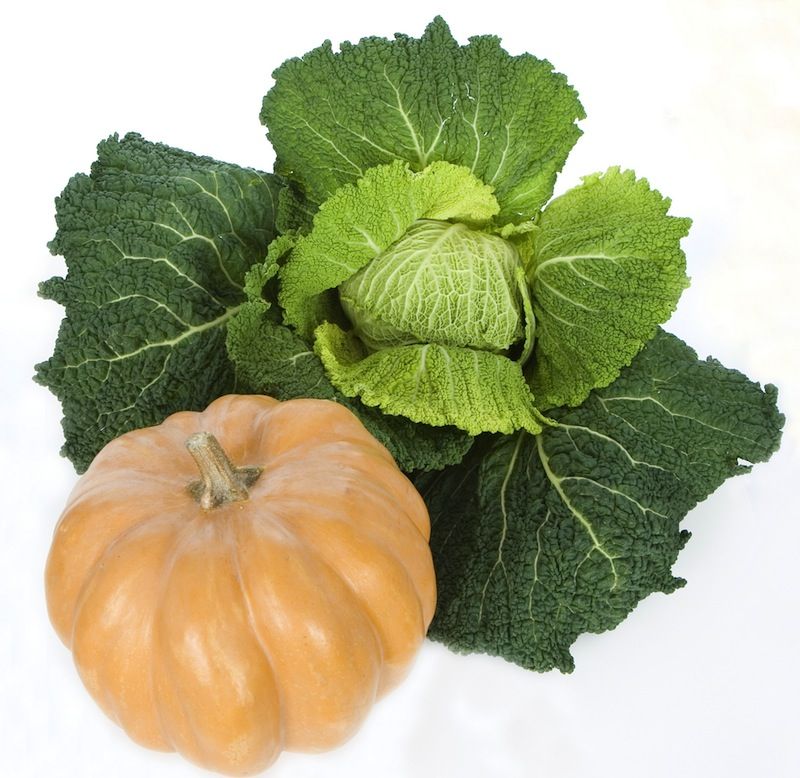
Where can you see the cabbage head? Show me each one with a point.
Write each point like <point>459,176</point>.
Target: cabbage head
<point>415,301</point>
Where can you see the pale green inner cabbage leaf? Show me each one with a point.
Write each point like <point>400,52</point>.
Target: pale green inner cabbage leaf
<point>440,283</point>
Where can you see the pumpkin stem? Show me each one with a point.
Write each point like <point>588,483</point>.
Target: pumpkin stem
<point>222,482</point>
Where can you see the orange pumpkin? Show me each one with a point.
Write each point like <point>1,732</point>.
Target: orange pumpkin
<point>229,612</point>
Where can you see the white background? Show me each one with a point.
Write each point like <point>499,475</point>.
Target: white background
<point>703,99</point>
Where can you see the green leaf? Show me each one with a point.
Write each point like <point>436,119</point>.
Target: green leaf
<point>362,220</point>
<point>295,212</point>
<point>272,359</point>
<point>511,120</point>
<point>539,539</point>
<point>476,391</point>
<point>607,270</point>
<point>157,242</point>
<point>415,447</point>
<point>261,282</point>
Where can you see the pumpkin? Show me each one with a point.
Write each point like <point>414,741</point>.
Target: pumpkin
<point>243,580</point>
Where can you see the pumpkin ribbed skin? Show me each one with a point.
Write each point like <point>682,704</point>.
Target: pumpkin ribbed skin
<point>234,632</point>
